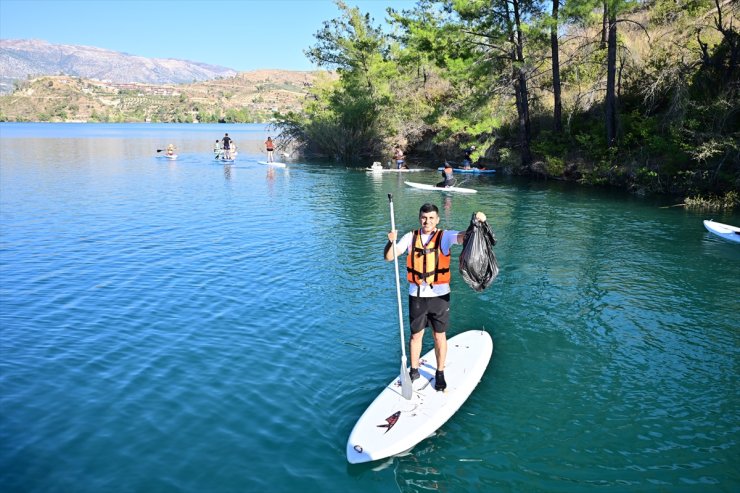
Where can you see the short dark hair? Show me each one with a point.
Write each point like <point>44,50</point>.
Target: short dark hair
<point>428,208</point>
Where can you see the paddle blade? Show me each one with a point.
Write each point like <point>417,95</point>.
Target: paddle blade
<point>406,385</point>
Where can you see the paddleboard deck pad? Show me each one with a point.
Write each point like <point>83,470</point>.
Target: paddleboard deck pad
<point>424,186</point>
<point>392,425</point>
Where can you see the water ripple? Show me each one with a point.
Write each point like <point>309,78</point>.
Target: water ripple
<point>193,327</point>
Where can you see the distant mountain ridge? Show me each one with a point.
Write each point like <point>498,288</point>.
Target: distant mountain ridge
<point>20,58</point>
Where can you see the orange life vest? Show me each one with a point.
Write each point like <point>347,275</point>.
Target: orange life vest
<point>427,263</point>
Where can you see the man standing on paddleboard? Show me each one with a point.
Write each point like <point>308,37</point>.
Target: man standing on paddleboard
<point>398,156</point>
<point>429,274</point>
<point>226,146</point>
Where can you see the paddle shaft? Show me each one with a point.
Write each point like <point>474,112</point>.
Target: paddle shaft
<point>405,378</point>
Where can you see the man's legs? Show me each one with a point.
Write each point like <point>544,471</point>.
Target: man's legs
<point>415,348</point>
<point>440,349</point>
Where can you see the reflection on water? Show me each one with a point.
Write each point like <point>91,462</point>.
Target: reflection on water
<point>165,318</point>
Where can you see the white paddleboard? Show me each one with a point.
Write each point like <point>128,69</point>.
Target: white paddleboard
<point>394,170</point>
<point>277,165</point>
<point>392,425</point>
<point>475,171</point>
<point>725,231</point>
<point>424,186</point>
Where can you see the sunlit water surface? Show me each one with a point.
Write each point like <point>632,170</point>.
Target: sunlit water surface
<point>188,326</point>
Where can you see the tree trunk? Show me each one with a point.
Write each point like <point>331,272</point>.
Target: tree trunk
<point>604,25</point>
<point>525,133</point>
<point>558,110</point>
<point>611,72</point>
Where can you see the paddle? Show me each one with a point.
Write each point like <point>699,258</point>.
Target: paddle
<point>406,385</point>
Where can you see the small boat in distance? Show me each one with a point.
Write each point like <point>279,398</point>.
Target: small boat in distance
<point>378,168</point>
<point>220,156</point>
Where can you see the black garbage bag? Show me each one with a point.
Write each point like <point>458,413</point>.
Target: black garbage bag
<point>478,264</point>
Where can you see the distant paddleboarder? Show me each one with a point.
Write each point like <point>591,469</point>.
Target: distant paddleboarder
<point>448,179</point>
<point>270,147</point>
<point>226,146</point>
<point>398,156</point>
<point>468,159</point>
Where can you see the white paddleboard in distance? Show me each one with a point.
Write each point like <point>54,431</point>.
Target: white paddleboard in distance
<point>474,171</point>
<point>277,165</point>
<point>392,425</point>
<point>725,231</point>
<point>394,170</point>
<point>424,186</point>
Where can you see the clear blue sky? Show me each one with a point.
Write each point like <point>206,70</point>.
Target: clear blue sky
<point>239,34</point>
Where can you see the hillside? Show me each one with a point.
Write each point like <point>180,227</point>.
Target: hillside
<point>24,59</point>
<point>246,97</point>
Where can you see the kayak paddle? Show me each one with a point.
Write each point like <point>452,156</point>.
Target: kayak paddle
<point>406,385</point>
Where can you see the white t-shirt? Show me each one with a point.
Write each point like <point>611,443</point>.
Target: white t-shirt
<point>449,238</point>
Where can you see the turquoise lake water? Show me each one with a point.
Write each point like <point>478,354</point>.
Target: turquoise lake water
<point>184,326</point>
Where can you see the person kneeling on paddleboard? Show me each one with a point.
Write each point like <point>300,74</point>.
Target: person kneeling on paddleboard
<point>447,175</point>
<point>429,274</point>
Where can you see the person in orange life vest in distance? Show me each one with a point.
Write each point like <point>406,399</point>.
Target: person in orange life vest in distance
<point>448,179</point>
<point>270,146</point>
<point>428,267</point>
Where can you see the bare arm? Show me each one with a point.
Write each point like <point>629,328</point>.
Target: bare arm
<point>388,251</point>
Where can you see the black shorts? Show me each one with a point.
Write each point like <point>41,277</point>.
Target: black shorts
<point>424,312</point>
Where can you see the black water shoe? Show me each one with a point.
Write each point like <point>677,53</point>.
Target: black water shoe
<point>414,374</point>
<point>439,380</point>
